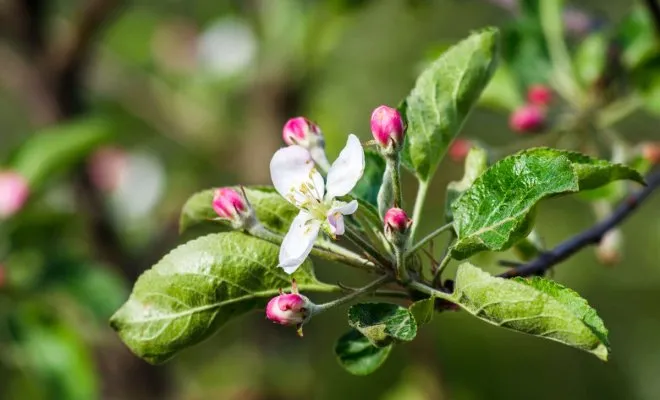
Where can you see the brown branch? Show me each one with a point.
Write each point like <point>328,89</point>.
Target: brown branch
<point>588,237</point>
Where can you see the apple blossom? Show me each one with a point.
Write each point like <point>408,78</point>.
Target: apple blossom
<point>14,192</point>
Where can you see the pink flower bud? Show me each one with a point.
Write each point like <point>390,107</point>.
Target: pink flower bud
<point>14,192</point>
<point>107,167</point>
<point>387,126</point>
<point>301,131</point>
<point>539,95</point>
<point>526,119</point>
<point>397,220</point>
<point>228,203</point>
<point>651,152</point>
<point>288,309</point>
<point>459,149</point>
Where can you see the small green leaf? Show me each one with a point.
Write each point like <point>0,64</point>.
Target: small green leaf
<point>423,310</point>
<point>590,58</point>
<point>199,287</point>
<point>502,92</point>
<point>383,323</point>
<point>497,210</point>
<point>537,307</point>
<point>274,212</point>
<point>636,35</point>
<point>368,186</point>
<point>476,163</point>
<point>357,355</point>
<point>54,149</point>
<point>443,96</point>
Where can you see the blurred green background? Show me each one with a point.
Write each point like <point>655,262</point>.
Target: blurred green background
<point>194,94</point>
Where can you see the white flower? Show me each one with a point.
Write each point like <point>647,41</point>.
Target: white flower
<point>297,180</point>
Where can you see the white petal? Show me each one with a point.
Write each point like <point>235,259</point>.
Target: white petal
<point>347,169</point>
<point>336,222</point>
<point>344,208</point>
<point>298,242</point>
<point>292,169</point>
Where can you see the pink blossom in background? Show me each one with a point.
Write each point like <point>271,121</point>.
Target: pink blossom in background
<point>14,192</point>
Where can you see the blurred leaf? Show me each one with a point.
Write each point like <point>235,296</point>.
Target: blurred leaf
<point>60,360</point>
<point>199,287</point>
<point>442,98</point>
<point>502,93</point>
<point>636,34</point>
<point>368,186</point>
<point>383,323</point>
<point>476,163</point>
<point>590,58</point>
<point>646,80</point>
<point>423,310</point>
<point>55,149</point>
<point>497,210</point>
<point>357,355</point>
<point>272,210</point>
<point>538,307</point>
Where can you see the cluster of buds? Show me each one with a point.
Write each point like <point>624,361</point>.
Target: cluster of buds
<point>14,192</point>
<point>531,117</point>
<point>388,129</point>
<point>305,133</point>
<point>291,309</point>
<point>232,206</point>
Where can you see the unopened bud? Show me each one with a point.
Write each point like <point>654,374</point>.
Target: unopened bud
<point>387,127</point>
<point>527,119</point>
<point>651,152</point>
<point>539,95</point>
<point>397,226</point>
<point>305,133</point>
<point>290,309</point>
<point>459,149</point>
<point>232,206</point>
<point>14,192</point>
<point>608,251</point>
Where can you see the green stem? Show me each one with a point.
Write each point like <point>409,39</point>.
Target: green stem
<point>419,204</point>
<point>359,241</point>
<point>430,237</point>
<point>319,308</point>
<point>401,271</point>
<point>393,164</point>
<point>325,250</point>
<point>441,267</point>
<point>430,291</point>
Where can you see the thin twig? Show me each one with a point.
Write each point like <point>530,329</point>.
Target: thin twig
<point>588,237</point>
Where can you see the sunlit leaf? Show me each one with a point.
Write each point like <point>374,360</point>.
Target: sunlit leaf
<point>539,307</point>
<point>199,287</point>
<point>423,310</point>
<point>383,323</point>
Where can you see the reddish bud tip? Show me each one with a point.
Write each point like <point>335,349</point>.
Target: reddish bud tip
<point>14,192</point>
<point>397,220</point>
<point>387,126</point>
<point>300,131</point>
<point>459,149</point>
<point>539,95</point>
<point>288,309</point>
<point>228,203</point>
<point>651,152</point>
<point>526,119</point>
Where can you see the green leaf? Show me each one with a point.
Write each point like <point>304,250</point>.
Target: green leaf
<point>590,58</point>
<point>383,323</point>
<point>199,287</point>
<point>476,163</point>
<point>357,355</point>
<point>423,310</point>
<point>443,96</point>
<point>636,35</point>
<point>274,212</point>
<point>502,92</point>
<point>540,309</point>
<point>368,186</point>
<point>497,210</point>
<point>54,149</point>
<point>573,302</point>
